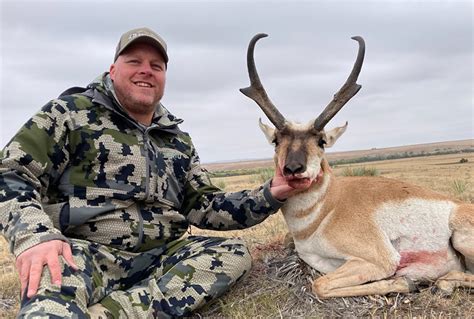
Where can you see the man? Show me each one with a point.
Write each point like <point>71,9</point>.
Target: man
<point>98,190</point>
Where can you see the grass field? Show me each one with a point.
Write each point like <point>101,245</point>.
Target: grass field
<point>279,283</point>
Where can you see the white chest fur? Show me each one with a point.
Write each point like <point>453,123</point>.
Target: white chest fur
<point>303,210</point>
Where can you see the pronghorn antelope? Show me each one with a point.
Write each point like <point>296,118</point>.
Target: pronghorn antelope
<point>369,235</point>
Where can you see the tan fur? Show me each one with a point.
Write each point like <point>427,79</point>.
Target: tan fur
<point>352,189</point>
<point>350,218</point>
<point>462,224</point>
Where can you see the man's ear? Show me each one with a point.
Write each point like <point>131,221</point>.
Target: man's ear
<point>112,71</point>
<point>267,130</point>
<point>333,134</point>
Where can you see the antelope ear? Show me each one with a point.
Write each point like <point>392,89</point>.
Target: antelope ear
<point>333,134</point>
<point>268,131</point>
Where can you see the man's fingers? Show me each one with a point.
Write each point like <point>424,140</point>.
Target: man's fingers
<point>30,264</point>
<point>24,276</point>
<point>67,254</point>
<point>34,278</point>
<point>55,270</point>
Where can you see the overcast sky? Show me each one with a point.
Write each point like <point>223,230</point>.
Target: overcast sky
<point>417,78</point>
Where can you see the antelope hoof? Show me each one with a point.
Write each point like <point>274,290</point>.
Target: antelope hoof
<point>411,285</point>
<point>288,241</point>
<point>320,288</point>
<point>443,287</point>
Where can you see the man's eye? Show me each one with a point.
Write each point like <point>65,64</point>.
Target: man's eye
<point>321,143</point>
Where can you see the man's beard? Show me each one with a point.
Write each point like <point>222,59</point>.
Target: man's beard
<point>136,106</point>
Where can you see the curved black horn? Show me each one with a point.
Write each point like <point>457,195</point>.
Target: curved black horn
<point>346,92</point>
<point>256,91</point>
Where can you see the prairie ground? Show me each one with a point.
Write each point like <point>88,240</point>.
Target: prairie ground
<point>279,284</point>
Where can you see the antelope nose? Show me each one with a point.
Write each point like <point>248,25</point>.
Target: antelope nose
<point>293,168</point>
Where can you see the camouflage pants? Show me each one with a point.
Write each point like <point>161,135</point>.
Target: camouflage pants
<point>163,282</point>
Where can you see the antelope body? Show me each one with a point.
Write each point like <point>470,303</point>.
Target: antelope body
<point>369,235</point>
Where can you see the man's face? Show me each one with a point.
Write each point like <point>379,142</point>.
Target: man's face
<point>139,77</point>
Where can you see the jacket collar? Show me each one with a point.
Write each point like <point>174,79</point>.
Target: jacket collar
<point>101,91</point>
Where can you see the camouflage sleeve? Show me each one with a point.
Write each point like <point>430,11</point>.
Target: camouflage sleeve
<point>206,206</point>
<point>30,161</point>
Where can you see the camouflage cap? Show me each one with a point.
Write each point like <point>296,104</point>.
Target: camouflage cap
<point>142,34</point>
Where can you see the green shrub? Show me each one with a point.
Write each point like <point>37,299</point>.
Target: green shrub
<point>263,175</point>
<point>459,187</point>
<point>382,157</point>
<point>360,171</point>
<point>221,184</point>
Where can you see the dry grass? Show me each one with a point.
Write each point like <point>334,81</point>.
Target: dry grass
<point>10,284</point>
<point>279,283</point>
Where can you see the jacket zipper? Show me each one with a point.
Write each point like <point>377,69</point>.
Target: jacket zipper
<point>147,147</point>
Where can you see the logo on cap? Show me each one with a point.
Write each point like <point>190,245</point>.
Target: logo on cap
<point>137,34</point>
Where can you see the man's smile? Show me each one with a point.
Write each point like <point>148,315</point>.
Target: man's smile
<point>143,84</point>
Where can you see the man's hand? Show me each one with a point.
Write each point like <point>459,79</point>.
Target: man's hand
<point>281,189</point>
<point>30,264</point>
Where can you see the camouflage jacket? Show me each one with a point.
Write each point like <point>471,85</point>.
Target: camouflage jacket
<point>82,168</point>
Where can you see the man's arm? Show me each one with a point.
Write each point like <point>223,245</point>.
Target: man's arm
<point>28,164</point>
<point>206,206</point>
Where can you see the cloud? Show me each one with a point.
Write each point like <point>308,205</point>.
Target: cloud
<point>416,79</point>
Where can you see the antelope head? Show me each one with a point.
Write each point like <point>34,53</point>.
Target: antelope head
<point>299,148</point>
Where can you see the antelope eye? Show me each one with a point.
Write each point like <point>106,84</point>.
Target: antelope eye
<point>321,143</point>
<point>275,142</point>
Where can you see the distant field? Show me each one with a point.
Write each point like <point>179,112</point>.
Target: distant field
<point>409,150</point>
<point>264,295</point>
<point>435,172</point>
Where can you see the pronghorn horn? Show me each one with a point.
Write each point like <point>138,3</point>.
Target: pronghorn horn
<point>346,92</point>
<point>256,91</point>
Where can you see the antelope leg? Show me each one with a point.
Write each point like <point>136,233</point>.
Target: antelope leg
<point>455,279</point>
<point>359,278</point>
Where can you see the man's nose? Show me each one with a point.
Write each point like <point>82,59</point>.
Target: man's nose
<point>145,68</point>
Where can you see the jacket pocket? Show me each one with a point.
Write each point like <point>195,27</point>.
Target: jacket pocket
<point>171,178</point>
<point>59,214</point>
